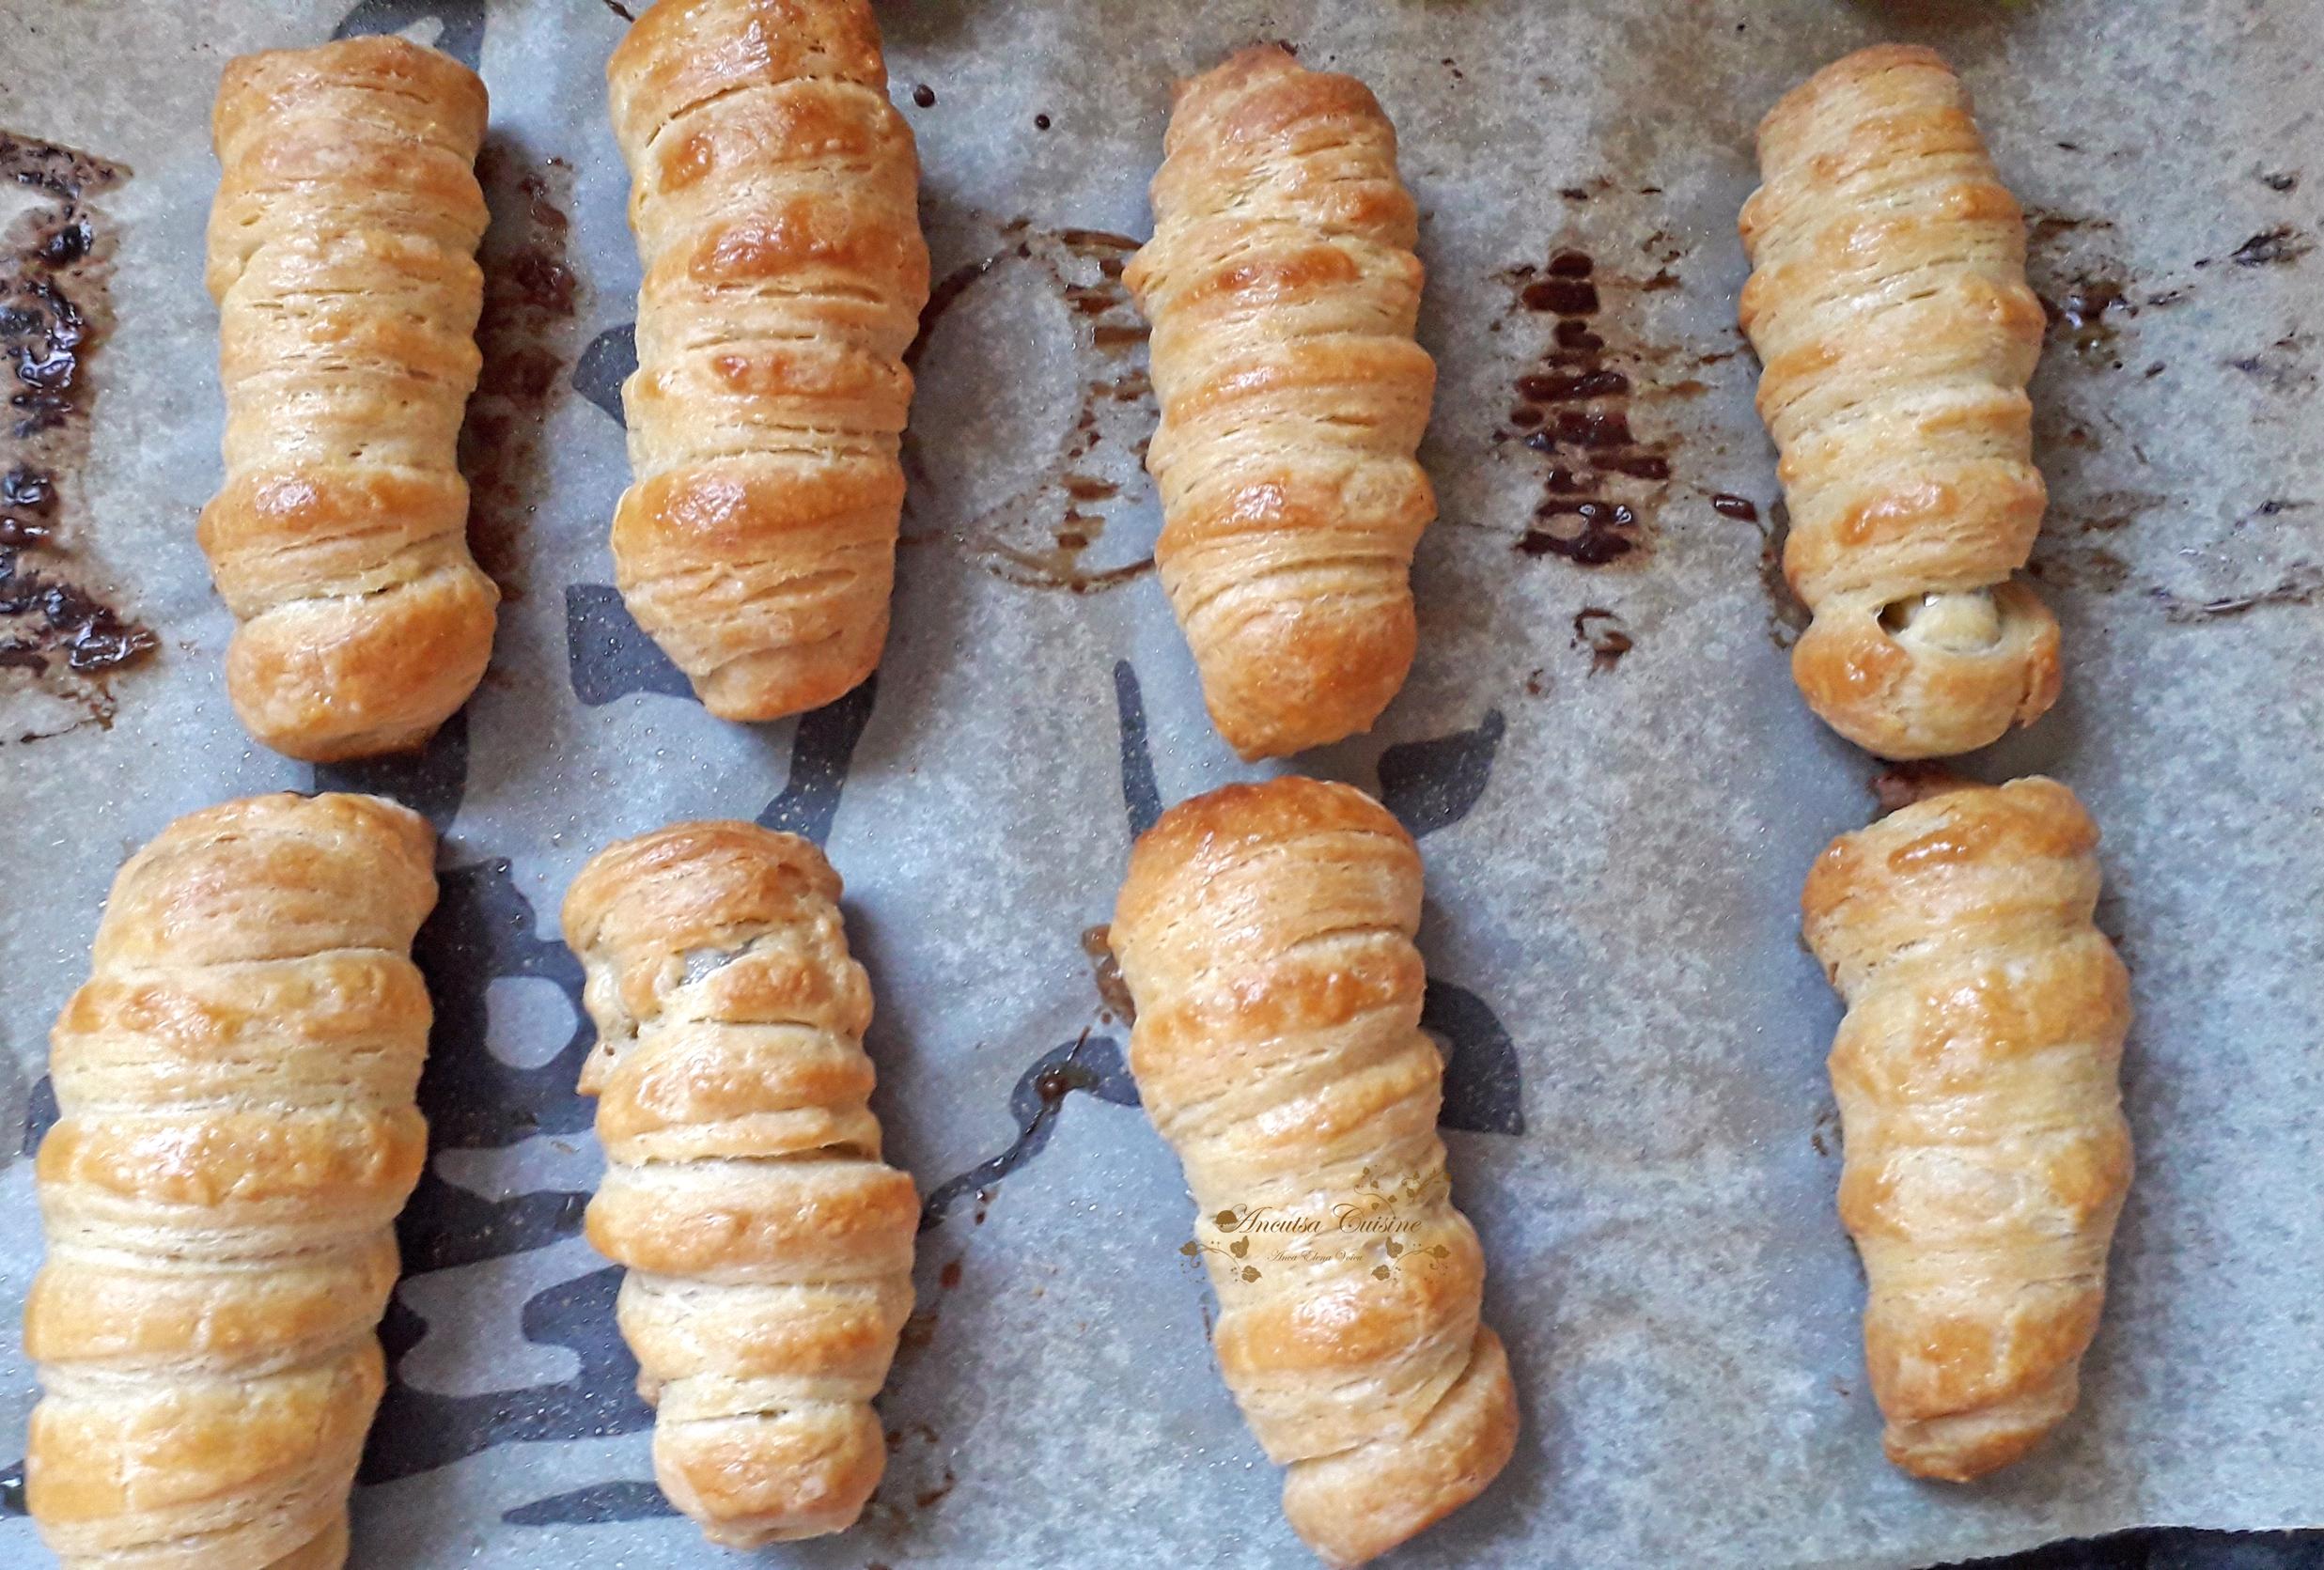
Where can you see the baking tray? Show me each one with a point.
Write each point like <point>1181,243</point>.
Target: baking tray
<point>1616,787</point>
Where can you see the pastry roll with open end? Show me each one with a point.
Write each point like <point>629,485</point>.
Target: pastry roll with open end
<point>1265,934</point>
<point>1987,1154</point>
<point>768,1247</point>
<point>236,1134</point>
<point>1282,287</point>
<point>774,197</point>
<point>342,257</point>
<point>1888,305</point>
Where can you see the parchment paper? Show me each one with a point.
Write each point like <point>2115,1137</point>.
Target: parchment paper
<point>1617,788</point>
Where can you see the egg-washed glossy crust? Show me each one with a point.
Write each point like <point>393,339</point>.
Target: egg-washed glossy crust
<point>342,257</point>
<point>1282,290</point>
<point>774,196</point>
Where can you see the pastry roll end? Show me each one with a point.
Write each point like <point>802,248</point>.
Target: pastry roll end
<point>1931,676</point>
<point>324,680</point>
<point>1357,1506</point>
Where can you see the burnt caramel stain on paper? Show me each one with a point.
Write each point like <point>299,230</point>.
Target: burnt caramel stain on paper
<point>1038,536</point>
<point>527,333</point>
<point>2088,295</point>
<point>911,1448</point>
<point>1824,1134</point>
<point>1572,407</point>
<point>944,294</point>
<point>2072,553</point>
<point>1116,1006</point>
<point>2085,293</point>
<point>1903,785</point>
<point>1604,634</point>
<point>2086,315</point>
<point>2279,246</point>
<point>2097,568</point>
<point>2284,366</point>
<point>1786,617</point>
<point>2077,551</point>
<point>62,637</point>
<point>2299,585</point>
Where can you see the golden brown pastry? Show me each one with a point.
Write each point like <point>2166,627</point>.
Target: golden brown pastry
<point>1888,305</point>
<point>1282,288</point>
<point>342,257</point>
<point>1987,1154</point>
<point>768,1247</point>
<point>237,1134</point>
<point>1266,933</point>
<point>775,199</point>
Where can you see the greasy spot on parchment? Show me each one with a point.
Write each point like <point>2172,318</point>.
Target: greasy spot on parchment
<point>62,635</point>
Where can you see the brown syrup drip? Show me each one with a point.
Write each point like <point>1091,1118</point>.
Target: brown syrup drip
<point>2280,246</point>
<point>2085,293</point>
<point>529,335</point>
<point>1786,617</point>
<point>2301,585</point>
<point>1037,537</point>
<point>1601,631</point>
<point>60,634</point>
<point>1573,407</point>
<point>2085,313</point>
<point>1904,785</point>
<point>1106,971</point>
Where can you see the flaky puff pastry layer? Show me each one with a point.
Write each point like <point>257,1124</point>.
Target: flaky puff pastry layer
<point>236,1134</point>
<point>774,196</point>
<point>1888,305</point>
<point>1282,287</point>
<point>1266,933</point>
<point>342,257</point>
<point>768,1247</point>
<point>1987,1154</point>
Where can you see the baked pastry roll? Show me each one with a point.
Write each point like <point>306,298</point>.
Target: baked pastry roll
<point>774,197</point>
<point>1282,287</point>
<point>1888,305</point>
<point>768,1247</point>
<point>1987,1154</point>
<point>342,257</point>
<point>1266,933</point>
<point>237,1133</point>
